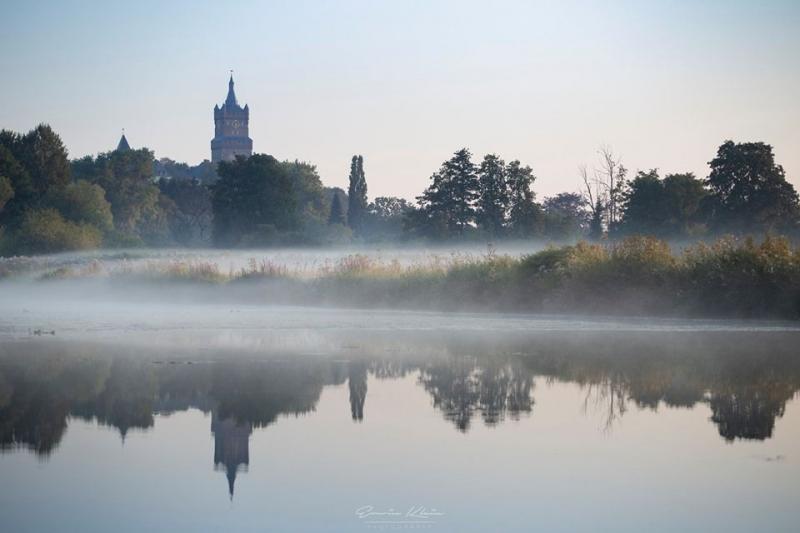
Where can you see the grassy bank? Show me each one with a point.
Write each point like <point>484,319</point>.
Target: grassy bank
<point>729,278</point>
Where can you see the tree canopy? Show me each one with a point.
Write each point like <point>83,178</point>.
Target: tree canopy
<point>750,191</point>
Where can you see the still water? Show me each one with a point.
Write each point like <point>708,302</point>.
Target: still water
<point>324,420</point>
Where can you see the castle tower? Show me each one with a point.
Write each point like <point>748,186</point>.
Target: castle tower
<point>230,129</point>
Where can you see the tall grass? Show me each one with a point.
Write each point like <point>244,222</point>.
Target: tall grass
<point>639,275</point>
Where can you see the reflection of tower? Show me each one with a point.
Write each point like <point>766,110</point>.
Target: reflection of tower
<point>357,381</point>
<point>231,446</point>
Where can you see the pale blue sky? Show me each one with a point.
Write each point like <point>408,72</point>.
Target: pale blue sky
<point>406,83</point>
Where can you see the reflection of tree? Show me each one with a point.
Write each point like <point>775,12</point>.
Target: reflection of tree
<point>460,387</point>
<point>258,392</point>
<point>357,382</point>
<point>127,399</point>
<point>391,368</point>
<point>38,391</point>
<point>745,379</point>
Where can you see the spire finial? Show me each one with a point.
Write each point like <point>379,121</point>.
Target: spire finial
<point>231,99</point>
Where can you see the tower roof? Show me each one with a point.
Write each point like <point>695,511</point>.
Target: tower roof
<point>231,99</point>
<point>123,144</point>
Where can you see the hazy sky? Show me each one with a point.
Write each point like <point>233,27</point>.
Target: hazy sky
<point>407,83</point>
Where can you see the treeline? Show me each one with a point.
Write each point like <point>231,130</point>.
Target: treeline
<point>51,204</point>
<point>125,198</point>
<point>746,192</point>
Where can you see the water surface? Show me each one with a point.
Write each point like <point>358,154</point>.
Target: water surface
<point>222,418</point>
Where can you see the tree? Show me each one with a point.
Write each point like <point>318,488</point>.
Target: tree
<point>253,199</point>
<point>190,222</point>
<point>604,192</point>
<point>83,202</point>
<point>644,205</point>
<point>684,197</point>
<point>356,194</point>
<point>492,195</point>
<point>385,207</point>
<point>449,202</point>
<point>596,221</point>
<point>524,213</point>
<point>564,216</point>
<point>385,218</point>
<point>127,178</point>
<point>663,208</point>
<point>749,191</point>
<point>312,202</point>
<point>337,214</point>
<point>44,157</point>
<point>21,195</point>
<point>6,191</point>
<point>613,176</point>
<point>593,197</point>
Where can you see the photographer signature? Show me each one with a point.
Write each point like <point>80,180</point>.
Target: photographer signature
<point>415,513</point>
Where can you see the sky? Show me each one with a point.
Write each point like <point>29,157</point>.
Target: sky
<point>407,83</point>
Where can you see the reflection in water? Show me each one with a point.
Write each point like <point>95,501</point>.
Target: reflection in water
<point>231,446</point>
<point>357,382</point>
<point>745,379</point>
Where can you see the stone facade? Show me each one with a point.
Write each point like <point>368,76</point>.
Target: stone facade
<point>231,129</point>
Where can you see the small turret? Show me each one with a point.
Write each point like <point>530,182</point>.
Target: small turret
<point>123,145</point>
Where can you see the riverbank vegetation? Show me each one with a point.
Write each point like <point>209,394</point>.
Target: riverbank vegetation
<point>637,275</point>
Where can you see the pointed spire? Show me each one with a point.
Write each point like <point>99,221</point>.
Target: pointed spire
<point>123,145</point>
<point>231,475</point>
<point>231,99</point>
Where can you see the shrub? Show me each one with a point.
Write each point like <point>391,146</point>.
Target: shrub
<point>46,231</point>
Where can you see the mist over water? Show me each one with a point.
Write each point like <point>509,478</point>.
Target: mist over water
<point>175,406</point>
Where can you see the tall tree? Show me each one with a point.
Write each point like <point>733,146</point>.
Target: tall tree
<point>356,194</point>
<point>33,163</point>
<point>461,182</point>
<point>749,191</point>
<point>44,156</point>
<point>447,206</point>
<point>493,196</point>
<point>604,190</point>
<point>524,213</point>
